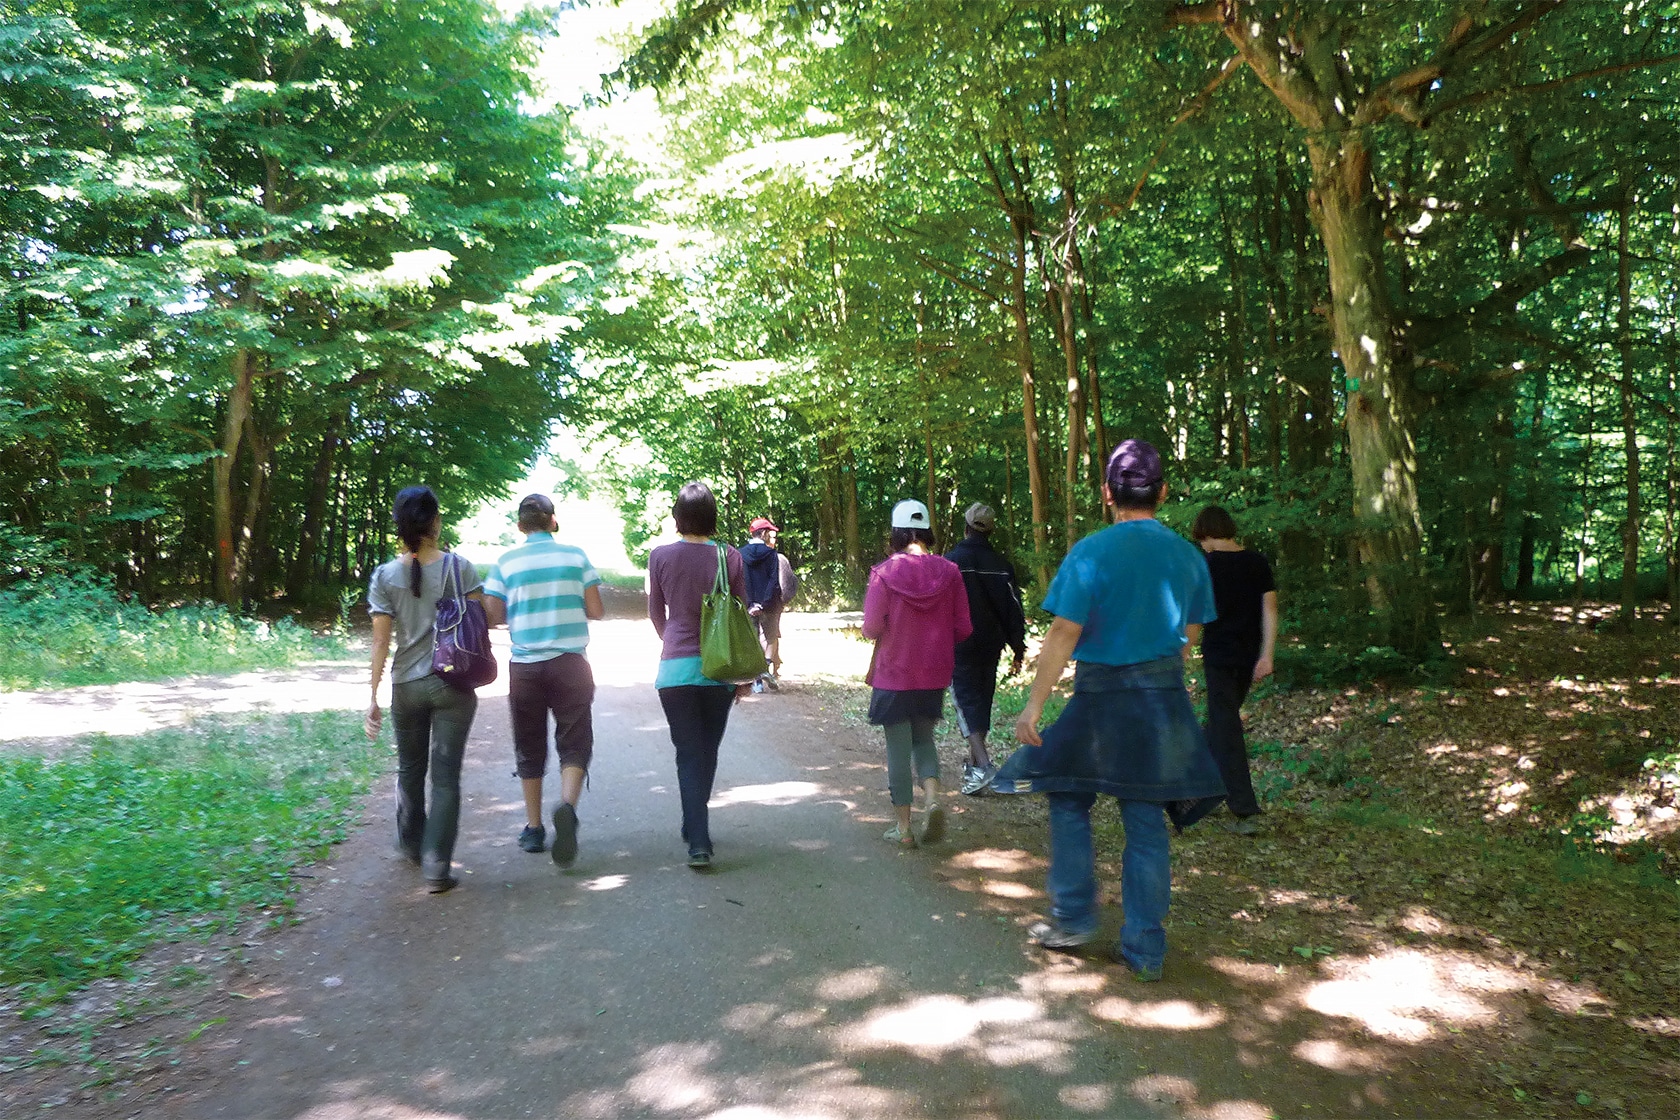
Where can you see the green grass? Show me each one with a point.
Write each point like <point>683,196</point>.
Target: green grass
<point>162,835</point>
<point>75,630</point>
<point>625,581</point>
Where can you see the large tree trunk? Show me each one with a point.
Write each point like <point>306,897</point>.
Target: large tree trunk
<point>315,511</point>
<point>238,411</point>
<point>1380,429</point>
<point>1016,206</point>
<point>1072,475</point>
<point>849,498</point>
<point>927,421</point>
<point>1630,422</point>
<point>1671,492</point>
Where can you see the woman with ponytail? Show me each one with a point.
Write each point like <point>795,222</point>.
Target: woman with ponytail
<point>431,719</point>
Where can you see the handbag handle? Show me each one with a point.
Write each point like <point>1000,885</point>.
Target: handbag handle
<point>721,584</point>
<point>453,576</point>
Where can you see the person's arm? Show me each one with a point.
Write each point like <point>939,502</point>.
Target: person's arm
<point>381,650</point>
<point>875,609</point>
<point>593,608</point>
<point>656,599</point>
<point>1053,657</point>
<point>1193,633</point>
<point>1268,635</point>
<point>495,610</point>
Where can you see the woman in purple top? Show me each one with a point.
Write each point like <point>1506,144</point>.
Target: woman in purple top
<point>680,575</point>
<point>916,610</point>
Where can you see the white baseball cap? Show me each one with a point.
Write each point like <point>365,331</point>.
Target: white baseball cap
<point>911,514</point>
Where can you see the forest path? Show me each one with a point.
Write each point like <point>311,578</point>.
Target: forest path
<point>812,972</point>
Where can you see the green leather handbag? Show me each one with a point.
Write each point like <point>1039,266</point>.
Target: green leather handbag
<point>729,649</point>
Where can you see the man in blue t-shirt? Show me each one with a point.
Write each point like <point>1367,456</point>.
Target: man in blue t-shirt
<point>1126,600</point>
<point>547,592</point>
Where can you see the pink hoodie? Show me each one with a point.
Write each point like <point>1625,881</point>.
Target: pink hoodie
<point>917,611</point>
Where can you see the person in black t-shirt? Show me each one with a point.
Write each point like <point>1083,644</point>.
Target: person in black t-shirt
<point>1237,651</point>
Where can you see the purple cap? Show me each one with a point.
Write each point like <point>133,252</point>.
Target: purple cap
<point>1135,465</point>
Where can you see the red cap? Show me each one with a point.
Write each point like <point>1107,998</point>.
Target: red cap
<point>761,523</point>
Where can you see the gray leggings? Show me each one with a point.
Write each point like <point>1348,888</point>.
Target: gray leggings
<point>907,742</point>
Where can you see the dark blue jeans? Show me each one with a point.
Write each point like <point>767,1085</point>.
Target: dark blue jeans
<point>698,715</point>
<point>1145,874</point>
<point>431,721</point>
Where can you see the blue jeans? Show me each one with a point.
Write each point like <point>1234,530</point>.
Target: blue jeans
<point>1145,874</point>
<point>431,721</point>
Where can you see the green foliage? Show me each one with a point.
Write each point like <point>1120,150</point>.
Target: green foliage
<point>846,318</point>
<point>74,630</point>
<point>162,835</point>
<point>263,265</point>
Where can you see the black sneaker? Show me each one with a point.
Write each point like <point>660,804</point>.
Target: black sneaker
<point>564,852</point>
<point>531,838</point>
<point>1053,935</point>
<point>699,860</point>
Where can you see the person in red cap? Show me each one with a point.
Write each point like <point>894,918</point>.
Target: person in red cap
<point>764,594</point>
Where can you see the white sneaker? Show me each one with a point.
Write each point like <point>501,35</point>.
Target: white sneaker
<point>977,780</point>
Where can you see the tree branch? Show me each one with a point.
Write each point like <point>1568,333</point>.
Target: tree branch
<point>1425,333</point>
<point>1541,87</point>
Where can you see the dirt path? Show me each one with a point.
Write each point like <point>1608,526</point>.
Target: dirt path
<point>813,973</point>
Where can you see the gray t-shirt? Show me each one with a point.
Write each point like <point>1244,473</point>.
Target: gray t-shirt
<point>412,618</point>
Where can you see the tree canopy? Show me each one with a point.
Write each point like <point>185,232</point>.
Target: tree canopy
<point>1396,282</point>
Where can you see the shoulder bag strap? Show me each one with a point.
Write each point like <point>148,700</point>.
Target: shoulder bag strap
<point>721,585</point>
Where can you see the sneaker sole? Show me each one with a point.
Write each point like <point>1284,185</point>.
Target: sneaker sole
<point>1049,937</point>
<point>564,852</point>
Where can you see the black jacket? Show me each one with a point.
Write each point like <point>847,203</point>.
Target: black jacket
<point>994,596</point>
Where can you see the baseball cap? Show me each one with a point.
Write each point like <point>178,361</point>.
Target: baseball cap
<point>1135,465</point>
<point>911,514</point>
<point>536,503</point>
<point>980,516</point>
<point>761,523</point>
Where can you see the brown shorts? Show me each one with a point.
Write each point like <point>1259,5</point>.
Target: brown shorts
<point>565,686</point>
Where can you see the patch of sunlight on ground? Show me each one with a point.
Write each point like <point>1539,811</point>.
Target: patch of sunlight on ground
<point>1001,1031</point>
<point>375,1108</point>
<point>1162,1015</point>
<point>605,883</point>
<point>1086,1098</point>
<point>853,983</point>
<point>1407,995</point>
<point>771,793</point>
<point>1334,1054</point>
<point>1009,861</point>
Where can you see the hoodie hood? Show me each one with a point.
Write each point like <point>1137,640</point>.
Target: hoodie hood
<point>754,553</point>
<point>919,580</point>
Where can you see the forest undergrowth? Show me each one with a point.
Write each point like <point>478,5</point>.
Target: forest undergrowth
<point>75,630</point>
<point>1507,820</point>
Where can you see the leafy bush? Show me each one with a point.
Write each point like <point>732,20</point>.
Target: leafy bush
<point>105,853</point>
<point>1284,769</point>
<point>73,629</point>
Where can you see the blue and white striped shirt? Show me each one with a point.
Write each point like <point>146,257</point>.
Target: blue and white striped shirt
<point>542,582</point>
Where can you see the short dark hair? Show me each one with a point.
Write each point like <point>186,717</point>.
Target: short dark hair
<point>696,510</point>
<point>1136,497</point>
<point>902,537</point>
<point>1214,524</point>
<point>534,513</point>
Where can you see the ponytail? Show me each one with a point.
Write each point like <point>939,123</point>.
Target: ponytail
<point>414,511</point>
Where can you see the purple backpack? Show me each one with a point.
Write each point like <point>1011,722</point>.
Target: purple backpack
<point>461,649</point>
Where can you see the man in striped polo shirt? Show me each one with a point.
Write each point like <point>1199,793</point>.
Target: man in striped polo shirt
<point>547,592</point>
